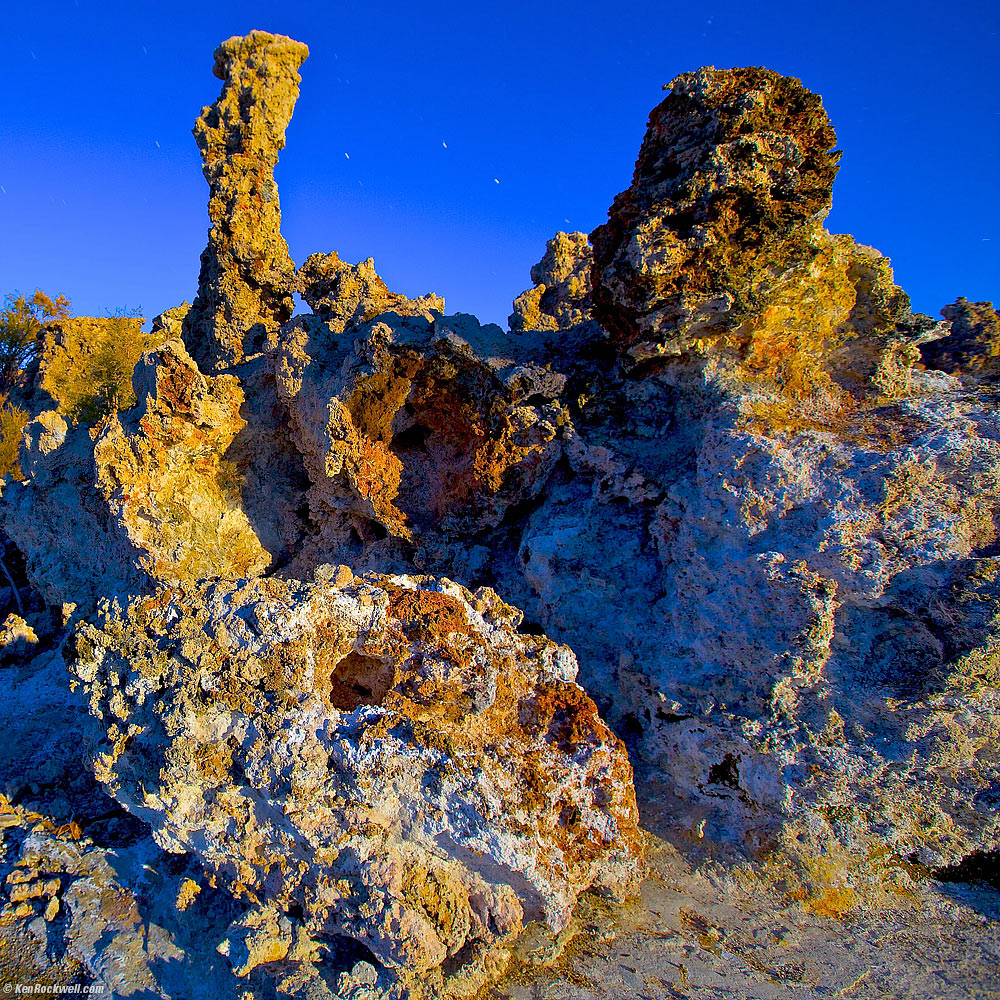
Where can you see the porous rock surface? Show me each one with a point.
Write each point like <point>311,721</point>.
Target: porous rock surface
<point>717,456</point>
<point>389,756</point>
<point>418,433</point>
<point>561,296</point>
<point>772,553</point>
<point>141,499</point>
<point>247,277</point>
<point>720,234</point>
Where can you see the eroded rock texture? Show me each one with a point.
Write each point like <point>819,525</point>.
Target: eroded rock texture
<point>973,343</point>
<point>390,758</point>
<point>705,458</point>
<point>732,180</point>
<point>247,278</point>
<point>561,296</point>
<point>758,492</point>
<point>419,433</point>
<point>145,497</point>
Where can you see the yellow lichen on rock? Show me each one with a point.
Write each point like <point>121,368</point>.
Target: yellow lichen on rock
<point>163,477</point>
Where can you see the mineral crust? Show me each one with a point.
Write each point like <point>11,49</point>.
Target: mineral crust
<point>707,458</point>
<point>247,278</point>
<point>419,432</point>
<point>389,758</point>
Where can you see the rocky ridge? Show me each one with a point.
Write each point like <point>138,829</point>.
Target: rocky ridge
<point>717,460</point>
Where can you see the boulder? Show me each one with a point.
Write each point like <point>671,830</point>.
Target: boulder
<point>147,496</point>
<point>388,758</point>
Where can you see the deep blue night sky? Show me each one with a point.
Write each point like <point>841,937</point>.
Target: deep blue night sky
<point>103,197</point>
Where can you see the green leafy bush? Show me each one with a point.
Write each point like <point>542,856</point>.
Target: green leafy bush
<point>12,421</point>
<point>22,322</point>
<point>87,364</point>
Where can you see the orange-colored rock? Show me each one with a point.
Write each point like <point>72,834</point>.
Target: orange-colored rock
<point>413,438</point>
<point>162,473</point>
<point>732,182</point>
<point>388,759</point>
<point>147,496</point>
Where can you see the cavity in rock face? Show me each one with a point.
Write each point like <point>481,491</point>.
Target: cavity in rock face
<point>732,182</point>
<point>418,431</point>
<point>387,758</point>
<point>247,277</point>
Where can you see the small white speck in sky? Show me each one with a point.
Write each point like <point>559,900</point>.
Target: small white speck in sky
<point>495,180</point>
<point>157,143</point>
<point>445,145</point>
<point>144,52</point>
<point>33,56</point>
<point>3,190</point>
<point>348,155</point>
<point>566,221</point>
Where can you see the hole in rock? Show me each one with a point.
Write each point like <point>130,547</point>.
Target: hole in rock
<point>531,628</point>
<point>630,729</point>
<point>469,953</point>
<point>980,866</point>
<point>412,439</point>
<point>343,953</point>
<point>725,772</point>
<point>360,680</point>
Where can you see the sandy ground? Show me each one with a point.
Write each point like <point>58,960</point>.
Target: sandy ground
<point>707,934</point>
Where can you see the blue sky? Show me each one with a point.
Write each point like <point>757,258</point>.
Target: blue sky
<point>473,132</point>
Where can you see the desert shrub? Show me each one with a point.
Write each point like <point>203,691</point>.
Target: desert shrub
<point>12,421</point>
<point>88,362</point>
<point>22,322</point>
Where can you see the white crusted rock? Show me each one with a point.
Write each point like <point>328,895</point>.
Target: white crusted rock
<point>390,757</point>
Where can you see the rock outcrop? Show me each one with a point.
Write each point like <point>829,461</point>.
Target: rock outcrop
<point>389,758</point>
<point>147,497</point>
<point>247,278</point>
<point>763,489</point>
<point>972,346</point>
<point>731,185</point>
<point>706,458</point>
<point>345,295</point>
<point>418,431</point>
<point>561,296</point>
